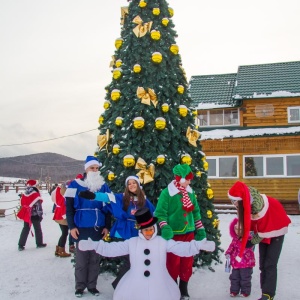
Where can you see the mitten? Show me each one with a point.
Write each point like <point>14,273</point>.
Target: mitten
<point>200,234</point>
<point>167,232</point>
<point>87,195</point>
<point>102,197</point>
<point>89,244</point>
<point>206,245</point>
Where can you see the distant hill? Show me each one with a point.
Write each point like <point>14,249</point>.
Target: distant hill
<point>41,166</point>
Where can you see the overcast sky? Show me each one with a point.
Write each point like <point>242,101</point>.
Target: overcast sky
<point>55,55</point>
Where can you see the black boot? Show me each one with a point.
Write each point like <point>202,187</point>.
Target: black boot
<point>183,290</point>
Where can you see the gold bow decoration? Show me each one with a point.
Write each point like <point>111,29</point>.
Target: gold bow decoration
<point>146,173</point>
<point>146,98</point>
<point>124,13</point>
<point>192,136</point>
<point>141,29</point>
<point>103,139</point>
<point>113,61</point>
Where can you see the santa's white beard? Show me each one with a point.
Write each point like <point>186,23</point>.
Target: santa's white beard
<point>94,181</point>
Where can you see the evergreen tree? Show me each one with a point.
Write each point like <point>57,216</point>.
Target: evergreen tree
<point>148,124</point>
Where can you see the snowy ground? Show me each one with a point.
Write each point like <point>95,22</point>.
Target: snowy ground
<point>38,274</point>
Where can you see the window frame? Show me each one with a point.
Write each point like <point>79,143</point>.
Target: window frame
<point>208,117</point>
<point>217,158</point>
<point>289,114</point>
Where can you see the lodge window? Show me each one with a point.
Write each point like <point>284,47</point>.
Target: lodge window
<point>294,114</point>
<point>218,117</point>
<point>222,167</point>
<point>272,165</point>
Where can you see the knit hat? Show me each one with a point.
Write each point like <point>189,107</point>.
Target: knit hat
<point>134,178</point>
<point>182,173</point>
<point>31,182</point>
<point>144,218</point>
<point>91,160</point>
<point>240,192</point>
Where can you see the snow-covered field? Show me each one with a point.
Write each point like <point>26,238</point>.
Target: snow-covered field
<point>38,274</point>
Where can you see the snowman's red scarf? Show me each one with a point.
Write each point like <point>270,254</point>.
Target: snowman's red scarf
<point>187,205</point>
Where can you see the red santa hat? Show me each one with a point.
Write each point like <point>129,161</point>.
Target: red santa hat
<point>240,192</point>
<point>31,182</point>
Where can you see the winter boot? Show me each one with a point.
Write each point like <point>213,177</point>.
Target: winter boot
<point>56,251</point>
<point>266,297</point>
<point>183,290</point>
<point>62,252</point>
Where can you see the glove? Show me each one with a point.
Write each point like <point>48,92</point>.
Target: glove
<point>167,232</point>
<point>200,234</point>
<point>249,244</point>
<point>87,195</point>
<point>206,245</point>
<point>89,244</point>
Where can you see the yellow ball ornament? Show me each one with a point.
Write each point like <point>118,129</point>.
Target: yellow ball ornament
<point>142,4</point>
<point>171,11</point>
<point>174,49</point>
<point>165,21</point>
<point>115,95</point>
<point>165,107</point>
<point>210,193</point>
<point>156,11</point>
<point>106,105</point>
<point>118,43</point>
<point>186,159</point>
<point>180,89</point>
<point>195,113</point>
<point>160,123</point>
<point>111,176</point>
<point>216,223</point>
<point>138,123</point>
<point>137,68</point>
<point>117,73</point>
<point>116,149</point>
<point>160,159</point>
<point>155,35</point>
<point>119,63</point>
<point>157,57</point>
<point>205,165</point>
<point>128,161</point>
<point>209,214</point>
<point>183,110</point>
<point>198,173</point>
<point>119,121</point>
<point>101,120</point>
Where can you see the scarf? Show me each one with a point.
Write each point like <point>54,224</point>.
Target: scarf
<point>187,205</point>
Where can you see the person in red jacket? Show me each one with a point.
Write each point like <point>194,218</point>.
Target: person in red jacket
<point>266,217</point>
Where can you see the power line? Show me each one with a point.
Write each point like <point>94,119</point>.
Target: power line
<point>42,141</point>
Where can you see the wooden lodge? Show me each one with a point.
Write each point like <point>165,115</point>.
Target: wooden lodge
<point>250,129</point>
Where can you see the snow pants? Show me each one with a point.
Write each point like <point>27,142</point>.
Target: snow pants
<point>36,223</point>
<point>268,260</point>
<point>240,280</point>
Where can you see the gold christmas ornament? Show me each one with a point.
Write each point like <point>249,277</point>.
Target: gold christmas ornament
<point>174,49</point>
<point>106,104</point>
<point>180,89</point>
<point>183,110</point>
<point>146,98</point>
<point>137,68</point>
<point>165,107</point>
<point>171,11</point>
<point>160,159</point>
<point>119,63</point>
<point>111,176</point>
<point>142,4</point>
<point>117,73</point>
<point>155,35</point>
<point>103,139</point>
<point>138,123</point>
<point>186,159</point>
<point>192,136</point>
<point>156,11</point>
<point>101,120</point>
<point>216,223</point>
<point>119,121</point>
<point>116,149</point>
<point>195,113</point>
<point>115,95</point>
<point>157,57</point>
<point>124,14</point>
<point>205,166</point>
<point>165,21</point>
<point>160,123</point>
<point>118,43</point>
<point>198,173</point>
<point>128,161</point>
<point>209,214</point>
<point>210,193</point>
<point>142,28</point>
<point>146,173</point>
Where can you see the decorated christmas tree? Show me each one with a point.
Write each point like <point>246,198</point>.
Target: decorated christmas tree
<point>148,124</point>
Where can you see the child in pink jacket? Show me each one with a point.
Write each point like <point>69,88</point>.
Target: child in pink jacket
<point>241,275</point>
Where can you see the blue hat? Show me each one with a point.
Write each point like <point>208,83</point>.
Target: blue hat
<point>91,160</point>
